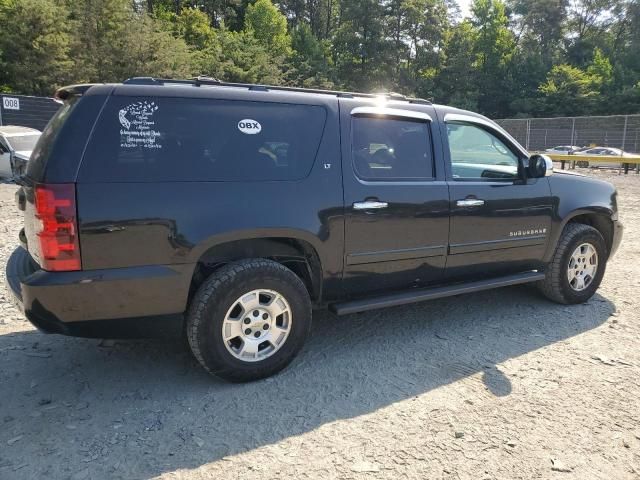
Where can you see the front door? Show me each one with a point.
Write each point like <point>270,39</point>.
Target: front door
<point>396,200</point>
<point>500,220</point>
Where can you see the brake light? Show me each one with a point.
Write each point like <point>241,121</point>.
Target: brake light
<point>55,206</point>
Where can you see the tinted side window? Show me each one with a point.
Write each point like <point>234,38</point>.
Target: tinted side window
<point>478,154</point>
<point>391,149</point>
<point>178,139</point>
<point>42,149</point>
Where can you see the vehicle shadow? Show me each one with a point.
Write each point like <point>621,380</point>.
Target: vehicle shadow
<point>138,409</point>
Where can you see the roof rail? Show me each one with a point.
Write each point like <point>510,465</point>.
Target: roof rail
<point>209,81</point>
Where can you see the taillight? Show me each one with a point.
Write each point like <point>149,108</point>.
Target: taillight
<point>55,206</point>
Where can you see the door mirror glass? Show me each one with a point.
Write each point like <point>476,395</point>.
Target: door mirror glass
<point>539,166</point>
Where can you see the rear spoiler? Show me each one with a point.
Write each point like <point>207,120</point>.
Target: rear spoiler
<point>72,90</point>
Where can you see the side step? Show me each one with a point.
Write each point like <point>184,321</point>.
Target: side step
<point>413,296</point>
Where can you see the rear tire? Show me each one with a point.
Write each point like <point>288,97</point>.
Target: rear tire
<point>577,267</point>
<point>249,320</point>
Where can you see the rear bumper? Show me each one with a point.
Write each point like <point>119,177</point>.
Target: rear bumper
<point>110,303</point>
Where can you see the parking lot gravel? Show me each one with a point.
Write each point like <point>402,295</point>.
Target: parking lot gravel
<point>494,385</point>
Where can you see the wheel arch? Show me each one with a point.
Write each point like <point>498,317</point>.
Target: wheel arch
<point>598,218</point>
<point>297,254</point>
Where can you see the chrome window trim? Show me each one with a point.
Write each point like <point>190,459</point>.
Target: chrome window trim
<point>391,112</point>
<point>457,117</point>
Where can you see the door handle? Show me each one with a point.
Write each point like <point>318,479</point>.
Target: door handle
<point>370,205</point>
<point>470,202</point>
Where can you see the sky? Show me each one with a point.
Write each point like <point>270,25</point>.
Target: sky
<point>464,7</point>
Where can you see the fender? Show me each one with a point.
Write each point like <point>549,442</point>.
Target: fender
<point>576,195</point>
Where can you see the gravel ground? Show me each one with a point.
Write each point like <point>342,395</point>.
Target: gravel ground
<point>501,384</point>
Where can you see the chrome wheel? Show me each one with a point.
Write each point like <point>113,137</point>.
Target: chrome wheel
<point>583,266</point>
<point>257,325</point>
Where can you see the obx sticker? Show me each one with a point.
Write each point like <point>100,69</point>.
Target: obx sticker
<point>249,126</point>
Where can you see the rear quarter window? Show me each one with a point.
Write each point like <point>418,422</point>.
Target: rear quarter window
<point>42,150</point>
<point>177,139</point>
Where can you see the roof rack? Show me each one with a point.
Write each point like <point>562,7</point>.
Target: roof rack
<point>209,81</point>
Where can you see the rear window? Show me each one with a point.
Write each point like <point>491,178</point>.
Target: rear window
<point>176,139</point>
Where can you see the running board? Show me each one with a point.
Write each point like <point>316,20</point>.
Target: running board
<point>413,296</point>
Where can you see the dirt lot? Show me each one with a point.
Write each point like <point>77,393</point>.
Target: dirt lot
<point>494,385</point>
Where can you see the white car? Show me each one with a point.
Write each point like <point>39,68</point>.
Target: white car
<point>16,145</point>
<point>609,151</point>
<point>604,151</point>
<point>563,149</point>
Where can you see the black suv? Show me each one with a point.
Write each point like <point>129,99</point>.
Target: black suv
<point>236,209</point>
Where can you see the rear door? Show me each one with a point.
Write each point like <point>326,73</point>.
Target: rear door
<point>396,199</point>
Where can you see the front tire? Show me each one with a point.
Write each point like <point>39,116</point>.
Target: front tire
<point>577,267</point>
<point>249,320</point>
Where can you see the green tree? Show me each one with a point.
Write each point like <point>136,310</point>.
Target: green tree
<point>309,64</point>
<point>600,68</point>
<point>625,45</point>
<point>569,91</point>
<point>267,25</point>
<point>540,27</point>
<point>152,51</point>
<point>34,46</point>
<point>240,57</point>
<point>320,15</point>
<point>112,42</point>
<point>423,24</point>
<point>494,49</point>
<point>542,57</point>
<point>194,27</point>
<point>363,54</point>
<point>588,23</point>
<point>423,27</point>
<point>455,81</point>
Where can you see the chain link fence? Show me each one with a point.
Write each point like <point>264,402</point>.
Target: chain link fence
<point>619,131</point>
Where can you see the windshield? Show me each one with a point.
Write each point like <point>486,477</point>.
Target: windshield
<point>23,142</point>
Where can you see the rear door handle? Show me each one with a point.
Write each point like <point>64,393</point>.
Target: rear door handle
<point>470,202</point>
<point>370,205</point>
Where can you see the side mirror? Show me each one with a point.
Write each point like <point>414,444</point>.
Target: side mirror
<point>539,166</point>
